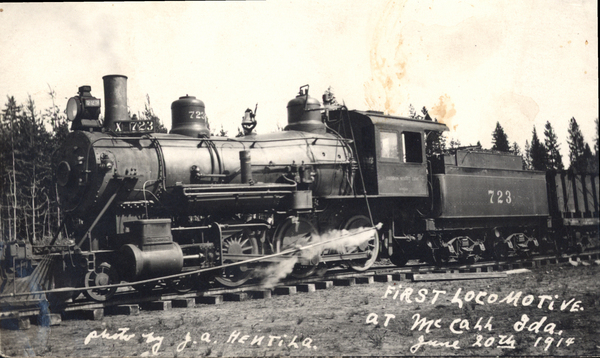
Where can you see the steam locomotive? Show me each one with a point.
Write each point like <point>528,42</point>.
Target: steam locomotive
<point>142,205</point>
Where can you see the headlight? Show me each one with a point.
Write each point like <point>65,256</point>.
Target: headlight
<point>74,108</point>
<point>83,108</point>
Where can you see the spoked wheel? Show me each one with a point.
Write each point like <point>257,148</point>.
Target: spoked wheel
<point>439,255</point>
<point>370,245</point>
<point>297,232</point>
<point>104,275</point>
<point>183,284</point>
<point>240,243</point>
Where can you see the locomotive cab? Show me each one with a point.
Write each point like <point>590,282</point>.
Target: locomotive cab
<point>392,152</point>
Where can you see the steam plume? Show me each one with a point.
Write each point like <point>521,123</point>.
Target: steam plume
<point>341,241</point>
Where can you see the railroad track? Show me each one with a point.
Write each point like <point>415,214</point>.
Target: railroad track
<point>129,301</point>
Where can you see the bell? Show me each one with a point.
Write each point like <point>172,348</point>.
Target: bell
<point>249,121</point>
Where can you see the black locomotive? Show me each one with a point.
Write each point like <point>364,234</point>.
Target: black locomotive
<point>141,205</point>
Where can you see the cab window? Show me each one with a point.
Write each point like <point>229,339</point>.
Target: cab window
<point>412,147</point>
<point>389,145</point>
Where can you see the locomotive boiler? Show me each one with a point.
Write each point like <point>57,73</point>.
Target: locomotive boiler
<point>142,204</point>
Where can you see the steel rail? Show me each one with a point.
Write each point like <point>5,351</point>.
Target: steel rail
<point>133,297</point>
<point>188,273</point>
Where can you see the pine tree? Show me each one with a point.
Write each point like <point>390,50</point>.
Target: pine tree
<point>10,205</point>
<point>591,164</point>
<point>553,148</point>
<point>516,150</point>
<point>436,143</point>
<point>36,169</point>
<point>27,171</point>
<point>500,139</point>
<point>58,120</point>
<point>60,130</point>
<point>454,143</point>
<point>538,153</point>
<point>28,206</point>
<point>148,114</point>
<point>527,156</point>
<point>576,147</point>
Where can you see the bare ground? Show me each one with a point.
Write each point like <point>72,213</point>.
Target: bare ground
<point>344,321</point>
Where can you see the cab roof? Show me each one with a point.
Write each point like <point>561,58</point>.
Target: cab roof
<point>378,119</point>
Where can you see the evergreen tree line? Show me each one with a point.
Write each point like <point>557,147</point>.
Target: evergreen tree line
<point>28,139</point>
<point>545,155</point>
<point>538,154</point>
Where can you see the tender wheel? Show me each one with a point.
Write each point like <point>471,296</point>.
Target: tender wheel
<point>439,257</point>
<point>102,276</point>
<point>239,243</point>
<point>294,232</point>
<point>438,254</point>
<point>370,246</point>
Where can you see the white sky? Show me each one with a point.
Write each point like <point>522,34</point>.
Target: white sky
<point>472,63</point>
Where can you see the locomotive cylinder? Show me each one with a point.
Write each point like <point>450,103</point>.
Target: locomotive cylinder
<point>137,264</point>
<point>188,117</point>
<point>115,99</point>
<point>150,250</point>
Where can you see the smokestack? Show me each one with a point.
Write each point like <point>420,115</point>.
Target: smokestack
<point>115,99</point>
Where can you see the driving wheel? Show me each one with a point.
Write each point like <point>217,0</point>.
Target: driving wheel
<point>239,243</point>
<point>297,232</point>
<point>369,245</point>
